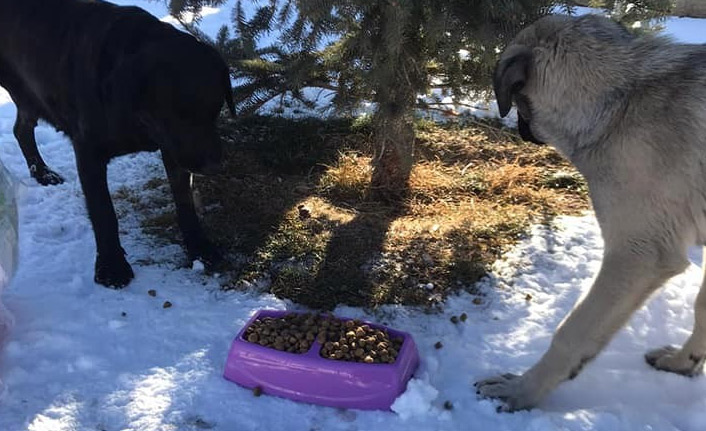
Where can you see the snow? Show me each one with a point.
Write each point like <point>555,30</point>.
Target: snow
<point>82,357</point>
<point>197,266</point>
<point>416,401</point>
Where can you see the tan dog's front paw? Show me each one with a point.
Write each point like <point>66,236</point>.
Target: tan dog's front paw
<point>675,360</point>
<point>513,391</point>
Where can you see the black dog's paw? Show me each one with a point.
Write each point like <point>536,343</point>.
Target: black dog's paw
<point>45,176</point>
<point>113,272</point>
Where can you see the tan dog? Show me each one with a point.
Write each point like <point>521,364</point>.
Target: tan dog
<point>630,113</point>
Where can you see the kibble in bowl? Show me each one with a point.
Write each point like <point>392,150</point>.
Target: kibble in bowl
<point>355,341</point>
<point>335,339</point>
<point>294,333</point>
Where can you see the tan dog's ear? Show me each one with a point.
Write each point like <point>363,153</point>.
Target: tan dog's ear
<point>511,75</point>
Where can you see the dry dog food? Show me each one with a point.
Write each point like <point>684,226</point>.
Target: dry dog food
<point>349,340</point>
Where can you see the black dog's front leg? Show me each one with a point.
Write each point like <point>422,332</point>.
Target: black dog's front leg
<point>111,270</point>
<point>197,245</point>
<point>24,132</point>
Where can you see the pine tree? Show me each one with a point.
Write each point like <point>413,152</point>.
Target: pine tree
<point>385,51</point>
<point>389,51</point>
<point>261,73</point>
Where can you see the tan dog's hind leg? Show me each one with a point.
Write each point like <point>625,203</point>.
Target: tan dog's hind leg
<point>625,281</point>
<point>688,360</point>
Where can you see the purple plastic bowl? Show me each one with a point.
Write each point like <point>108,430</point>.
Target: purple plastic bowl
<point>310,378</point>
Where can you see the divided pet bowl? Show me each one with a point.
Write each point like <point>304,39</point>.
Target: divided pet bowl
<point>310,378</point>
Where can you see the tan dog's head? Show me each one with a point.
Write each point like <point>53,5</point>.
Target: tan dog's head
<point>556,71</point>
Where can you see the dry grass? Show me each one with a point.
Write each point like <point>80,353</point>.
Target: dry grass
<point>293,207</point>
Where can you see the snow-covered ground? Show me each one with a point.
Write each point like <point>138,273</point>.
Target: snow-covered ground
<point>85,358</point>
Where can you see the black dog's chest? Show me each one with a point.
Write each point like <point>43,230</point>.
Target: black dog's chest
<point>127,146</point>
<point>110,145</point>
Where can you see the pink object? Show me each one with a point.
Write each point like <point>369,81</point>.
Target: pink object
<point>310,378</point>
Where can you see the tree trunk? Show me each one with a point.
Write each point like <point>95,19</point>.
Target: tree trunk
<point>394,140</point>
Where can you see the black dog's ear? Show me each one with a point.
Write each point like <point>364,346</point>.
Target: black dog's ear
<point>510,76</point>
<point>225,78</point>
<point>229,94</point>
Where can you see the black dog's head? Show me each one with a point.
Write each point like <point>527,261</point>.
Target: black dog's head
<point>175,88</point>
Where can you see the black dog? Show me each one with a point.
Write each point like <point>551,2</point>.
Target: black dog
<point>116,80</point>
